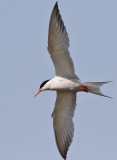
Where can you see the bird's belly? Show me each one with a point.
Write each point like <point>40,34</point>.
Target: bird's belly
<point>66,85</point>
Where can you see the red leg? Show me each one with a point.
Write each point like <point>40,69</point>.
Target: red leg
<point>85,88</point>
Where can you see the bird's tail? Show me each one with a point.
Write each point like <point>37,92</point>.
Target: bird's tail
<point>94,87</point>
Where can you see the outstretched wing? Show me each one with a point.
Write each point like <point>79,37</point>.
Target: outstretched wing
<point>62,120</point>
<point>58,43</point>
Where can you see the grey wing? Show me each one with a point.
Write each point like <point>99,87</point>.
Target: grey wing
<point>58,43</point>
<point>62,120</point>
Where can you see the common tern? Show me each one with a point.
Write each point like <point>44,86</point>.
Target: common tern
<point>66,83</point>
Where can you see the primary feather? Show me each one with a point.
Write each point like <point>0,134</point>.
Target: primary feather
<point>62,120</point>
<point>58,43</point>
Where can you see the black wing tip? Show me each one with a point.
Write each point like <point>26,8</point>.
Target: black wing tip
<point>64,156</point>
<point>55,9</point>
<point>58,16</point>
<point>56,6</point>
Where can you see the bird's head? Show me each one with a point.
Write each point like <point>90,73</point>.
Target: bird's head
<point>43,86</point>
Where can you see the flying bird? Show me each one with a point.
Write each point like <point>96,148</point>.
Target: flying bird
<point>66,83</point>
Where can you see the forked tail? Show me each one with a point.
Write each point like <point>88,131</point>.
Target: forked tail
<point>94,87</point>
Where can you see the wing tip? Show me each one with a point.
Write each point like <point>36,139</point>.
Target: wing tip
<point>62,153</point>
<point>56,5</point>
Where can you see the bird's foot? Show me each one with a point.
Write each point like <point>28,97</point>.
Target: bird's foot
<point>85,88</point>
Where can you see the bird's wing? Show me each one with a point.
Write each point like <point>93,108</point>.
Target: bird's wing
<point>62,120</point>
<point>58,43</point>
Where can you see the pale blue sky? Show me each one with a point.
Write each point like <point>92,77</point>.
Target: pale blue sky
<point>26,131</point>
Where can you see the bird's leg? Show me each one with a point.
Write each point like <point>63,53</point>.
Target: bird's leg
<point>85,88</point>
